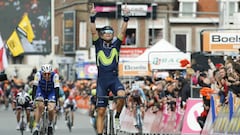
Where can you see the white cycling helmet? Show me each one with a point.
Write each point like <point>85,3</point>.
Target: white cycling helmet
<point>135,87</point>
<point>46,68</point>
<point>21,100</point>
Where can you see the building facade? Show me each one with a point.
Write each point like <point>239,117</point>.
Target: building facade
<point>180,22</point>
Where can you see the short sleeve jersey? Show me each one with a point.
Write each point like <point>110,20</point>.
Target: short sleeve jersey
<point>52,83</point>
<point>107,57</point>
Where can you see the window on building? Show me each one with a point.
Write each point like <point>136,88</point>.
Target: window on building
<point>155,31</point>
<point>154,35</point>
<point>17,60</point>
<point>228,9</point>
<point>130,38</point>
<point>181,38</point>
<point>233,7</point>
<point>187,8</point>
<point>181,41</point>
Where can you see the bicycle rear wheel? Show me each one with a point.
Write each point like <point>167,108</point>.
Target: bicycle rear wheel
<point>22,127</point>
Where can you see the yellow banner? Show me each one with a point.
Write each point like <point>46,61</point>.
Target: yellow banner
<point>14,44</point>
<point>26,28</point>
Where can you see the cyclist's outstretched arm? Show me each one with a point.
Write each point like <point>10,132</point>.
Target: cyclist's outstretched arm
<point>92,23</point>
<point>125,23</point>
<point>56,86</point>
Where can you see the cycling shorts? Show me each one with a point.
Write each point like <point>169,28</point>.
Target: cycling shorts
<point>104,84</point>
<point>71,107</point>
<point>26,105</point>
<point>41,94</point>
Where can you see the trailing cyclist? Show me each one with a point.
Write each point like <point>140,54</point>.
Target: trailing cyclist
<point>70,105</point>
<point>137,97</point>
<point>45,86</point>
<point>23,101</point>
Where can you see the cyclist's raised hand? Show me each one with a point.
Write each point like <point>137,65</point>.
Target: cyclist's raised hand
<point>92,11</point>
<point>126,10</point>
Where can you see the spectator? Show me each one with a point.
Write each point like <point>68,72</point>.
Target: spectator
<point>206,93</point>
<point>128,40</point>
<point>133,39</point>
<point>31,76</point>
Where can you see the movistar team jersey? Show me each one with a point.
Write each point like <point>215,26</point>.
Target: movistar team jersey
<point>107,57</point>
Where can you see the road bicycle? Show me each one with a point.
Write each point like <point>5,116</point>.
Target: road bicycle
<point>23,124</point>
<point>43,123</point>
<point>109,119</point>
<point>69,121</point>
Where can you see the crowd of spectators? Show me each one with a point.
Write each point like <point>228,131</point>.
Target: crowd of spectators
<point>220,77</point>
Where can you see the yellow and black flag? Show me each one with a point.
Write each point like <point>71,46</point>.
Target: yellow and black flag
<point>14,44</point>
<point>25,27</point>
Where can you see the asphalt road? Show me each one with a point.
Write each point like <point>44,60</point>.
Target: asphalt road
<point>82,124</point>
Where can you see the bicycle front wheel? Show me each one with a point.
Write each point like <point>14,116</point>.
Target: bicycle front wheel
<point>69,123</point>
<point>111,126</point>
<point>139,120</point>
<point>22,128</point>
<point>43,124</point>
<point>31,123</point>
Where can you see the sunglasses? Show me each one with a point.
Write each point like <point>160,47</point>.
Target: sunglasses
<point>107,32</point>
<point>46,74</point>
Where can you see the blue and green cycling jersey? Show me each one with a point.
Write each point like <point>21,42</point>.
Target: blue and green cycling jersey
<point>107,57</point>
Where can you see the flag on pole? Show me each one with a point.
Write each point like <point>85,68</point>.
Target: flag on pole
<point>14,44</point>
<point>25,28</point>
<point>230,103</point>
<point>3,56</point>
<point>213,109</point>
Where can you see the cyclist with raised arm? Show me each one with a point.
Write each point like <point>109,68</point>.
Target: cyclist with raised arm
<point>137,97</point>
<point>107,49</point>
<point>45,86</point>
<point>23,100</point>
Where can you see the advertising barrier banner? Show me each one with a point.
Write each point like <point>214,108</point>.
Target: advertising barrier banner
<point>165,121</point>
<point>193,110</point>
